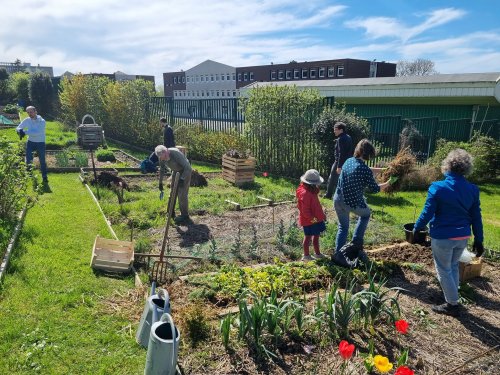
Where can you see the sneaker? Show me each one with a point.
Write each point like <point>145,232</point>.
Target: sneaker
<point>319,256</point>
<point>447,309</point>
<point>307,258</point>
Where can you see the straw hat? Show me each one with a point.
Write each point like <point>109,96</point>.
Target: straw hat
<point>312,177</point>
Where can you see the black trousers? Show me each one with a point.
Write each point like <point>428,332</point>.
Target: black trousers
<point>333,179</point>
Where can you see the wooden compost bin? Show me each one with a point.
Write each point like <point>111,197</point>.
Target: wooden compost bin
<point>238,171</point>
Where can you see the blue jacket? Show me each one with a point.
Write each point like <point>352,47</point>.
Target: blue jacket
<point>452,206</point>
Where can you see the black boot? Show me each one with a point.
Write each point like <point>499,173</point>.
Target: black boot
<point>447,309</point>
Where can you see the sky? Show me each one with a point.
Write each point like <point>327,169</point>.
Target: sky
<point>157,36</point>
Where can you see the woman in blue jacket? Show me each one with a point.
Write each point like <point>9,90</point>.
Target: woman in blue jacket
<point>451,208</point>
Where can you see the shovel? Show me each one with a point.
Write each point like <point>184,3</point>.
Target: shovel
<point>160,267</point>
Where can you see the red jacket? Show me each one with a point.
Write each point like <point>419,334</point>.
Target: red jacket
<point>310,210</point>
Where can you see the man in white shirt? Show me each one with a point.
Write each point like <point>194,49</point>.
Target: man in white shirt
<point>34,126</point>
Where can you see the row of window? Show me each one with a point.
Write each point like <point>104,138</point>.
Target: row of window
<point>311,73</point>
<point>207,93</point>
<point>205,78</point>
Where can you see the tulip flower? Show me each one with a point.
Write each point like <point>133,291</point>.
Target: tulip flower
<point>346,349</point>
<point>382,364</point>
<point>402,326</point>
<point>403,370</point>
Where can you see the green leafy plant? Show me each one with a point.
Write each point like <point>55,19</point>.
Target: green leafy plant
<point>280,237</point>
<point>212,250</point>
<point>105,155</point>
<point>193,321</point>
<point>254,245</point>
<point>236,246</point>
<point>225,329</point>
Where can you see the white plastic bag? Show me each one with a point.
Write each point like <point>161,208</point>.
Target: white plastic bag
<point>467,256</point>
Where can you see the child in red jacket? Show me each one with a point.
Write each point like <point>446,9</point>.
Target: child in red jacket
<point>311,215</point>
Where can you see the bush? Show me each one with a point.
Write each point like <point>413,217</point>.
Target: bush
<point>11,109</point>
<point>41,93</point>
<point>485,151</point>
<point>105,155</point>
<point>357,127</point>
<point>207,145</point>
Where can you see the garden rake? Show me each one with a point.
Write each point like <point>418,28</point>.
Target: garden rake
<point>160,267</point>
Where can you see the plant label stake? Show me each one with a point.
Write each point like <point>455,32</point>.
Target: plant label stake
<point>160,267</point>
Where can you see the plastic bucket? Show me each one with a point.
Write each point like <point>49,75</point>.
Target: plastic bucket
<point>419,237</point>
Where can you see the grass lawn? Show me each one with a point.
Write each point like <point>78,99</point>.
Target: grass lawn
<point>55,315</point>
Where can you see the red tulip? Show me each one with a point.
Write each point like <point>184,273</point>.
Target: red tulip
<point>346,349</point>
<point>403,370</point>
<point>265,174</point>
<point>402,326</point>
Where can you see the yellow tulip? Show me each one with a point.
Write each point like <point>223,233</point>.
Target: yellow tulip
<point>382,364</point>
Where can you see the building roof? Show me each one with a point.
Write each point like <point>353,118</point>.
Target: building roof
<point>468,88</point>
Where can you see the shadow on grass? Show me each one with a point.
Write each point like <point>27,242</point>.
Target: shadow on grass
<point>193,234</point>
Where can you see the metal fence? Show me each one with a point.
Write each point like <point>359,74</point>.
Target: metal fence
<point>289,150</point>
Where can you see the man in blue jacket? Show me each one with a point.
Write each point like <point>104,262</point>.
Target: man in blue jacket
<point>343,151</point>
<point>451,208</point>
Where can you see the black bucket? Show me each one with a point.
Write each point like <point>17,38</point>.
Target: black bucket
<point>419,237</point>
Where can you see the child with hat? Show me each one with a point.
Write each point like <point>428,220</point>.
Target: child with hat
<point>311,215</point>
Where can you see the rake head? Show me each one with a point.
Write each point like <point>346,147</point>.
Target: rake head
<point>159,272</point>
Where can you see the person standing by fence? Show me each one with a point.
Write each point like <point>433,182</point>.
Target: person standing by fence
<point>34,126</point>
<point>168,133</point>
<point>343,151</point>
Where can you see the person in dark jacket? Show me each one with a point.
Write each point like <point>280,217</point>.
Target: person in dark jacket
<point>168,133</point>
<point>451,208</point>
<point>343,151</point>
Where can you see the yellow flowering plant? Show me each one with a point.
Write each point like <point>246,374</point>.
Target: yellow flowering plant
<point>382,364</point>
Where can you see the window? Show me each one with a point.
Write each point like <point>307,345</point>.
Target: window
<point>312,73</point>
<point>202,78</point>
<point>304,73</point>
<point>251,77</point>
<point>234,77</point>
<point>340,71</point>
<point>216,78</point>
<point>175,80</point>
<point>222,76</point>
<point>245,76</point>
<point>288,74</point>
<point>321,73</point>
<point>296,74</point>
<point>239,77</point>
<point>331,71</point>
<point>212,78</point>
<point>228,93</point>
<point>217,93</point>
<point>234,93</point>
<point>188,79</point>
<point>203,93</point>
<point>183,79</point>
<point>197,79</point>
<point>273,75</point>
<point>281,74</point>
<point>222,92</point>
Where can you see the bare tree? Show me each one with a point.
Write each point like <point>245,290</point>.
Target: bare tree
<point>418,67</point>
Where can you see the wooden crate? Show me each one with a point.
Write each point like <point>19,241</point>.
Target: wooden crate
<point>112,255</point>
<point>470,270</point>
<point>238,171</point>
<point>183,149</point>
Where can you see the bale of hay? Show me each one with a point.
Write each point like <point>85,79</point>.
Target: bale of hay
<point>400,166</point>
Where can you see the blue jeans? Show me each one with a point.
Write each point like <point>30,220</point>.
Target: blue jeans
<point>342,210</point>
<point>39,147</point>
<point>446,255</point>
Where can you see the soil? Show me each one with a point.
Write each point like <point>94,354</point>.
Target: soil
<point>437,343</point>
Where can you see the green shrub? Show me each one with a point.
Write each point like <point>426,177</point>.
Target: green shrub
<point>485,151</point>
<point>205,145</point>
<point>105,155</point>
<point>11,108</point>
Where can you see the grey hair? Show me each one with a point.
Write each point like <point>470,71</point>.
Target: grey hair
<point>458,161</point>
<point>30,107</point>
<point>160,149</point>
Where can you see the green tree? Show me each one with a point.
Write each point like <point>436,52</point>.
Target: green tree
<point>41,93</point>
<point>278,124</point>
<point>5,91</point>
<point>19,84</point>
<point>357,127</point>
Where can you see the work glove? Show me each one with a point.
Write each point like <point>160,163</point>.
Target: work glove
<point>478,248</point>
<point>160,186</point>
<point>393,179</point>
<point>21,133</point>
